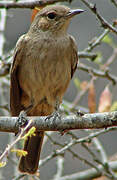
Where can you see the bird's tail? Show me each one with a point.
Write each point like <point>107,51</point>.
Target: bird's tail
<point>29,163</point>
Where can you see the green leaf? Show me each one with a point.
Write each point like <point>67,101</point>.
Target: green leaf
<point>114,106</point>
<point>2,164</point>
<point>77,83</point>
<point>108,40</point>
<point>30,133</point>
<point>65,106</point>
<point>98,59</point>
<point>19,152</point>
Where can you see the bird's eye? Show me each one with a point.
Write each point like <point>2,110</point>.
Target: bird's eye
<point>51,15</point>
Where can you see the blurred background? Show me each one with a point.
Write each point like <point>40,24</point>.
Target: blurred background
<point>84,28</point>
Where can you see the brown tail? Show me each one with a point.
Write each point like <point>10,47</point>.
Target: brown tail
<point>29,163</point>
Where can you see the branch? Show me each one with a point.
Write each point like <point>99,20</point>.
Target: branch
<point>87,121</point>
<point>3,15</point>
<point>89,55</point>
<point>107,170</point>
<point>103,22</point>
<point>75,155</point>
<point>98,40</point>
<point>89,174</point>
<point>99,148</point>
<point>60,167</point>
<point>104,74</point>
<point>73,142</point>
<point>104,159</point>
<point>9,147</point>
<point>30,4</point>
<point>114,2</point>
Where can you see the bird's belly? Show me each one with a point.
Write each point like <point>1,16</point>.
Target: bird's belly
<point>45,83</point>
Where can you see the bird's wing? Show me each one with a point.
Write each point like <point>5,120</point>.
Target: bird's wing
<point>15,90</point>
<point>74,60</point>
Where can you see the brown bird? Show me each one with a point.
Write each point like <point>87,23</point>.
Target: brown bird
<point>44,62</point>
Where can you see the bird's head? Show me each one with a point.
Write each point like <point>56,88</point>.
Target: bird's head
<point>54,18</point>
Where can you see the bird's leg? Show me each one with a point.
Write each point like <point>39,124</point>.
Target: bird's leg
<point>56,113</point>
<point>22,119</point>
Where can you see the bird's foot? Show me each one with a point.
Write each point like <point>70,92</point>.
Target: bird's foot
<point>64,131</point>
<point>54,116</point>
<point>79,113</point>
<point>22,119</point>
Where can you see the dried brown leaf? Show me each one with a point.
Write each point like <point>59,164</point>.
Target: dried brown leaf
<point>83,85</point>
<point>35,11</point>
<point>91,98</point>
<point>105,100</point>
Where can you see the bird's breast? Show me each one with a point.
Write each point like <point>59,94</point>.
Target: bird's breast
<point>46,71</point>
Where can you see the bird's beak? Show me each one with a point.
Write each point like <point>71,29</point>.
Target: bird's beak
<point>74,12</point>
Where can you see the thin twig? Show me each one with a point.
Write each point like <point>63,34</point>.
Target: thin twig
<point>103,22</point>
<point>89,174</point>
<point>27,4</point>
<point>104,158</point>
<point>111,58</point>
<point>84,54</point>
<point>97,41</point>
<point>5,107</point>
<point>60,167</point>
<point>74,142</point>
<point>114,2</point>
<point>3,16</point>
<point>100,149</point>
<point>73,153</point>
<point>104,74</point>
<point>79,94</point>
<point>9,147</point>
<point>108,172</point>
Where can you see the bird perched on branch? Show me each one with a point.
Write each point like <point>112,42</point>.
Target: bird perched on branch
<point>44,62</point>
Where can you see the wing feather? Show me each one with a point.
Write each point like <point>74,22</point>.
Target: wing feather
<point>74,56</point>
<point>15,90</point>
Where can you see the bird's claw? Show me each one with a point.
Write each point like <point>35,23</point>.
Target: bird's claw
<point>54,116</point>
<point>22,119</point>
<point>62,132</point>
<point>79,113</point>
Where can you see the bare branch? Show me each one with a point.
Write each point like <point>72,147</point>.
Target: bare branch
<point>103,22</point>
<point>75,155</point>
<point>104,161</point>
<point>84,54</point>
<point>97,41</point>
<point>107,171</point>
<point>27,4</point>
<point>87,121</point>
<point>9,147</point>
<point>72,143</point>
<point>60,167</point>
<point>3,16</point>
<point>110,59</point>
<point>114,2</point>
<point>104,158</point>
<point>89,174</point>
<point>100,149</point>
<point>79,95</point>
<point>105,74</point>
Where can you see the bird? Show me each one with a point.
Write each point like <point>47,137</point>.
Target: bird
<point>44,61</point>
